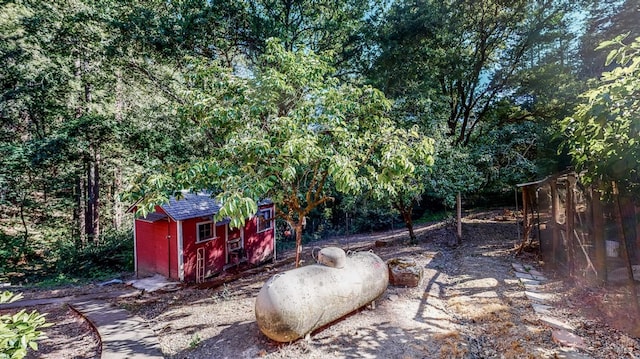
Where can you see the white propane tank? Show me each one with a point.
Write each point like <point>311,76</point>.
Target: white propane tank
<point>294,303</point>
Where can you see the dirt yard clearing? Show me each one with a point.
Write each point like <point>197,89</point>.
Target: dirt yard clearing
<point>468,305</point>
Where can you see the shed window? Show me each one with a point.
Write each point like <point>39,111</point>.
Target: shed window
<point>265,219</point>
<point>206,231</point>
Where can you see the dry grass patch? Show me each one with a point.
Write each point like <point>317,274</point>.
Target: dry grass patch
<point>451,345</point>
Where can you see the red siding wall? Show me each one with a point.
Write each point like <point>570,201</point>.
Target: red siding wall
<point>214,250</point>
<point>259,246</point>
<point>156,247</point>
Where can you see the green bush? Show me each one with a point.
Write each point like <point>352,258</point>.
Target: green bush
<point>12,249</point>
<point>113,254</point>
<point>429,216</point>
<point>19,332</point>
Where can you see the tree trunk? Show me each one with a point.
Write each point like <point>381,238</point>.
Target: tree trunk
<point>96,199</point>
<point>79,212</point>
<point>459,217</point>
<point>406,216</point>
<point>406,211</point>
<point>23,219</point>
<point>636,214</point>
<point>119,105</point>
<point>92,209</point>
<point>555,225</point>
<point>88,208</point>
<point>298,229</point>
<point>570,225</point>
<point>598,236</point>
<point>118,208</point>
<point>629,221</point>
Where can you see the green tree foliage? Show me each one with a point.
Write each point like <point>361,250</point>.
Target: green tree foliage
<point>93,93</point>
<point>491,78</point>
<point>455,170</point>
<point>168,31</point>
<point>404,189</point>
<point>606,20</point>
<point>81,110</point>
<point>291,132</point>
<point>19,332</point>
<point>323,26</point>
<point>459,55</point>
<point>602,134</point>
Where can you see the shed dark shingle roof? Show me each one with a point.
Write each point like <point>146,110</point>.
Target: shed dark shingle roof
<point>192,205</point>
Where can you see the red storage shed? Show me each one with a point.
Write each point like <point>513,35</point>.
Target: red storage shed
<point>180,240</point>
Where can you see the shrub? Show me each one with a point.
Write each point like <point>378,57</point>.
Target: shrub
<point>19,332</point>
<point>12,249</point>
<point>113,254</point>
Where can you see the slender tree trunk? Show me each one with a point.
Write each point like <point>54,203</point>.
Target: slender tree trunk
<point>119,108</point>
<point>96,199</point>
<point>92,208</point>
<point>629,215</point>
<point>80,212</point>
<point>78,76</point>
<point>598,236</point>
<point>298,228</point>
<point>636,214</point>
<point>570,225</point>
<point>406,216</point>
<point>459,218</point>
<point>23,219</point>
<point>555,223</point>
<point>406,211</point>
<point>89,208</point>
<point>118,210</point>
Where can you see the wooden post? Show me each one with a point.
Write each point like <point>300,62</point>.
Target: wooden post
<point>570,225</point>
<point>516,214</point>
<point>629,217</point>
<point>525,212</point>
<point>598,236</point>
<point>555,229</point>
<point>623,245</point>
<point>637,214</point>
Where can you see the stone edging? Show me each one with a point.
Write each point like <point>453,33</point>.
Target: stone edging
<point>562,332</point>
<point>94,329</point>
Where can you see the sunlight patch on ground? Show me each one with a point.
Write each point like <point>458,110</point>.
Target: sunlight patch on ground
<point>431,316</point>
<point>476,308</point>
<point>485,294</point>
<point>495,253</point>
<point>479,283</point>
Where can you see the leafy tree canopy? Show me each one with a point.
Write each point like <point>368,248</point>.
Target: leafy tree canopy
<point>603,133</point>
<point>292,132</point>
<point>459,57</point>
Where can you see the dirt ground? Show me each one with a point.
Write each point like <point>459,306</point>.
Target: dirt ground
<point>468,305</point>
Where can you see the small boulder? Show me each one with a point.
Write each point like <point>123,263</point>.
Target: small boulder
<point>404,272</point>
